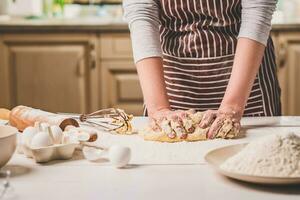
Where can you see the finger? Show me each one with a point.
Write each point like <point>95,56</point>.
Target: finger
<point>215,127</point>
<point>226,128</point>
<point>154,125</point>
<point>177,123</point>
<point>237,127</point>
<point>207,118</point>
<point>187,122</point>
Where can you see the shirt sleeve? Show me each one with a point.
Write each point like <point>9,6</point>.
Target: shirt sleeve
<point>256,19</point>
<point>142,17</point>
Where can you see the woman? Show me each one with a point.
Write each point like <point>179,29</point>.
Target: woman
<point>209,55</point>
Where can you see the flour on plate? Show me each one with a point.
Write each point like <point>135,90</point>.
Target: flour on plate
<point>274,156</point>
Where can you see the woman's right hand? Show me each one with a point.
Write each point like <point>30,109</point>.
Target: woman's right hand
<point>159,115</point>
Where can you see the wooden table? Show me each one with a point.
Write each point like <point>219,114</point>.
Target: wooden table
<point>80,179</point>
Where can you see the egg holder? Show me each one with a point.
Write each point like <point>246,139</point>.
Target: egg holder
<point>50,153</point>
<point>62,151</point>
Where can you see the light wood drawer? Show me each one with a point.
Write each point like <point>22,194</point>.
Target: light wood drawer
<point>116,46</point>
<point>120,86</point>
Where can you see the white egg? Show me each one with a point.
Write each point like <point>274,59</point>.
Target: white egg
<point>65,138</point>
<point>37,125</point>
<point>69,127</point>
<point>83,136</point>
<point>28,134</point>
<point>69,137</point>
<point>119,156</point>
<point>41,139</point>
<point>57,134</point>
<point>44,126</point>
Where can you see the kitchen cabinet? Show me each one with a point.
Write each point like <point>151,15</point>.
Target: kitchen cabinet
<point>288,59</point>
<point>50,72</point>
<point>120,86</point>
<point>119,81</point>
<point>77,73</point>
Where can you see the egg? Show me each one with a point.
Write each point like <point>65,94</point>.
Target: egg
<point>82,136</point>
<point>69,127</point>
<point>57,134</point>
<point>86,134</point>
<point>28,134</point>
<point>69,137</point>
<point>119,156</point>
<point>43,126</point>
<point>41,139</point>
<point>37,125</point>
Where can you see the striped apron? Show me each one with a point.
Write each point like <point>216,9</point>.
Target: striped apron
<point>198,40</point>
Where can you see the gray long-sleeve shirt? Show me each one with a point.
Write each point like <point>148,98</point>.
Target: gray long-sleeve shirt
<point>143,19</point>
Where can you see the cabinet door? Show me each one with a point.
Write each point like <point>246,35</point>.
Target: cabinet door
<point>116,46</point>
<point>49,73</point>
<point>289,71</point>
<point>120,86</point>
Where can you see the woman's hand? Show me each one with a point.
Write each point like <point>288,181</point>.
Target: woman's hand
<point>165,113</point>
<point>216,119</point>
<point>247,60</point>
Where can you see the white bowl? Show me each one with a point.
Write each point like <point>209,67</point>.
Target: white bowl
<point>8,143</point>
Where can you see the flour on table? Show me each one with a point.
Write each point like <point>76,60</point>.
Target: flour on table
<point>274,155</point>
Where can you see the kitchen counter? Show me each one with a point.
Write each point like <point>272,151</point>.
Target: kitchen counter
<point>295,26</point>
<point>80,179</point>
<point>86,24</point>
<point>95,24</point>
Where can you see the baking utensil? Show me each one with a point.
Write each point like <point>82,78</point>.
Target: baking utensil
<point>110,119</point>
<point>217,156</point>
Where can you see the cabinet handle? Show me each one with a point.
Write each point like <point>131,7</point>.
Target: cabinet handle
<point>92,45</point>
<point>93,60</point>
<point>282,53</point>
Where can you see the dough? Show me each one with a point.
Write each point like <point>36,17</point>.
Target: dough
<point>172,131</point>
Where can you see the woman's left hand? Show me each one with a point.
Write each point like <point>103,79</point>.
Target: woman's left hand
<point>217,117</point>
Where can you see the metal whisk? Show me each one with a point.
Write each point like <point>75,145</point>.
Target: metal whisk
<point>110,119</point>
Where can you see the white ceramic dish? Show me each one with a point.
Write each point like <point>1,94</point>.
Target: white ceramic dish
<point>218,156</point>
<point>8,143</point>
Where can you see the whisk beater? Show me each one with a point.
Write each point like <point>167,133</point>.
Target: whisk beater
<point>110,119</point>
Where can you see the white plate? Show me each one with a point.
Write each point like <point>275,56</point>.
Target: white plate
<point>218,156</point>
